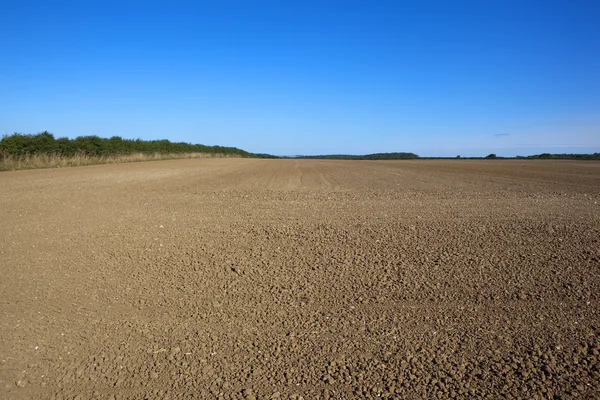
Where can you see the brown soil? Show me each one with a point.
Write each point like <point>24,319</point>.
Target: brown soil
<point>237,278</point>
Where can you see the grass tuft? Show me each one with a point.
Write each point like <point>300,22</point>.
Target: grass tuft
<point>10,162</point>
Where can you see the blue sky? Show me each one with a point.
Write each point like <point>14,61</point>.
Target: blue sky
<point>438,78</point>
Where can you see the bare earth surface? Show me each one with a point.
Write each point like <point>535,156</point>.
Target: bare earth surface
<point>236,278</point>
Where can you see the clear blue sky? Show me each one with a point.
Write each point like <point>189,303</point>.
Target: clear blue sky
<point>308,77</point>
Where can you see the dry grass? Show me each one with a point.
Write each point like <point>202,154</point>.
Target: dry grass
<point>34,161</point>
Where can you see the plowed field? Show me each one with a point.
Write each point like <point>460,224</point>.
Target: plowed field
<point>278,279</point>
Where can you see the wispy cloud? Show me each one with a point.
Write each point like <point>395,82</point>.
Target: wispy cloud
<point>501,134</point>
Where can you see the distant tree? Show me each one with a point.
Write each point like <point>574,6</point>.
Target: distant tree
<point>458,156</point>
<point>375,156</point>
<point>490,156</point>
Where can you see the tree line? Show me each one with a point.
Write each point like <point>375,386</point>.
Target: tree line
<point>19,144</point>
<point>375,156</point>
<point>565,156</point>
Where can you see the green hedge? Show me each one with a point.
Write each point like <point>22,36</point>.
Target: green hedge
<point>44,142</point>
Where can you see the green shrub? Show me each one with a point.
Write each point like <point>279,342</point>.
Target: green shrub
<point>19,144</point>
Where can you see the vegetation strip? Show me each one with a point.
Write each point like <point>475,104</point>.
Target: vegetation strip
<point>43,150</point>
